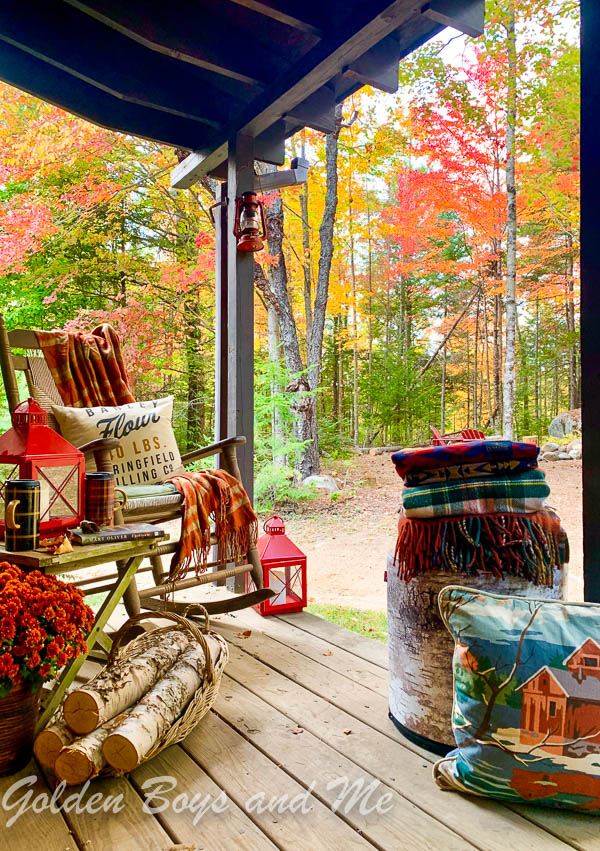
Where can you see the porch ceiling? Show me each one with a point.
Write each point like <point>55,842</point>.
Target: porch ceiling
<point>193,74</point>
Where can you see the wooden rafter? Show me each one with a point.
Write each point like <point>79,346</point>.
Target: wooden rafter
<point>273,10</point>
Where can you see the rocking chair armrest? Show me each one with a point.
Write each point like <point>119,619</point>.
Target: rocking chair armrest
<point>213,449</point>
<point>101,448</point>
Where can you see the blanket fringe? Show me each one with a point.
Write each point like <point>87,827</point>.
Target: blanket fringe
<point>525,545</point>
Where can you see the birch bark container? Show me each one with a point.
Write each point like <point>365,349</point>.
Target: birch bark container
<point>420,648</point>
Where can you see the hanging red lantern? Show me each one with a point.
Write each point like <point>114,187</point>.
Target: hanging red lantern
<point>249,228</point>
<point>284,570</point>
<point>33,450</point>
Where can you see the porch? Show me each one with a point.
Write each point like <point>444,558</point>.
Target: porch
<point>302,712</point>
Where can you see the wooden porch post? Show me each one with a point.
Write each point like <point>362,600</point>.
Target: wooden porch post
<point>240,322</point>
<point>590,296</point>
<point>240,313</point>
<point>221,318</point>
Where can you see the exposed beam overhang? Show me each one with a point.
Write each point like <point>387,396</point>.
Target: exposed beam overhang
<point>466,16</point>
<point>138,77</point>
<point>310,73</point>
<point>56,86</point>
<point>273,10</point>
<point>240,64</point>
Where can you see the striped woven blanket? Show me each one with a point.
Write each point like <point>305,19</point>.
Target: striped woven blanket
<point>474,470</point>
<point>514,494</point>
<point>432,457</point>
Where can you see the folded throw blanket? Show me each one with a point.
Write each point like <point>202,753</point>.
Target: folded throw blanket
<point>430,458</point>
<point>523,492</point>
<point>212,496</point>
<point>87,368</point>
<point>526,545</point>
<point>474,470</point>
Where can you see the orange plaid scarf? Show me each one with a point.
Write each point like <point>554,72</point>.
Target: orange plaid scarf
<point>87,368</point>
<point>212,495</point>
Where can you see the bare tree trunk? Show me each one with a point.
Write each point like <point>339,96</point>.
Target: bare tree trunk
<point>277,433</point>
<point>306,381</point>
<point>570,314</point>
<point>444,362</point>
<point>354,327</point>
<point>306,249</point>
<point>511,231</point>
<point>487,363</point>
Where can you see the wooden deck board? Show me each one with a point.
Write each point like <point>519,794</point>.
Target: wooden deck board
<point>292,673</point>
<point>22,834</point>
<point>484,823</point>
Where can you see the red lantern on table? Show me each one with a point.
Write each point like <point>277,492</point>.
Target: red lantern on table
<point>284,570</point>
<point>32,450</point>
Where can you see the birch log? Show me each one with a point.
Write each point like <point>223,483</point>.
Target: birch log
<point>49,743</point>
<point>129,742</point>
<point>83,759</point>
<point>119,686</point>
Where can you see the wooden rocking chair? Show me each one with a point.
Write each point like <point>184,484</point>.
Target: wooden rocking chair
<point>160,505</point>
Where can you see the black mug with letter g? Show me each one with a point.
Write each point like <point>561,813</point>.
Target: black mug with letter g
<point>21,515</point>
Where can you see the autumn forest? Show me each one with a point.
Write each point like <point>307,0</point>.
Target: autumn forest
<point>427,273</point>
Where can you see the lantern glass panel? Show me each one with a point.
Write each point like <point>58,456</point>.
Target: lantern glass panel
<point>287,584</point>
<point>7,472</point>
<point>59,495</point>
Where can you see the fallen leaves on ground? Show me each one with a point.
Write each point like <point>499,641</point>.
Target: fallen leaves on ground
<point>245,634</point>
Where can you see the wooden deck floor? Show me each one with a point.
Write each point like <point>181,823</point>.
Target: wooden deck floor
<point>301,712</point>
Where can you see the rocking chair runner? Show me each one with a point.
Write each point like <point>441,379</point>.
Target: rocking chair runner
<point>157,505</point>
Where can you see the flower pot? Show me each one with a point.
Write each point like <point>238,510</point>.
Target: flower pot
<point>18,715</point>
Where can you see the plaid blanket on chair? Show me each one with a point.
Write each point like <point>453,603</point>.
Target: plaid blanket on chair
<point>87,368</point>
<point>518,494</point>
<point>217,497</point>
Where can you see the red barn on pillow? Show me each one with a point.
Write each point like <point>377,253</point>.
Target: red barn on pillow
<point>561,706</point>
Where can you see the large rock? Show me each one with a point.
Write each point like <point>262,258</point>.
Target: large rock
<point>550,456</point>
<point>550,447</point>
<point>564,456</point>
<point>575,454</point>
<point>565,423</point>
<point>321,483</point>
<point>574,445</point>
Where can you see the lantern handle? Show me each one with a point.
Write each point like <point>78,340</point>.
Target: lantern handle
<point>236,231</point>
<point>10,515</point>
<point>273,517</point>
<point>261,207</point>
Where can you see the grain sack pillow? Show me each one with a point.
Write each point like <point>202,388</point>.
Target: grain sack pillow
<point>526,714</point>
<point>148,452</point>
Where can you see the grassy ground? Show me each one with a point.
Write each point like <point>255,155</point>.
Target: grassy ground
<point>367,622</point>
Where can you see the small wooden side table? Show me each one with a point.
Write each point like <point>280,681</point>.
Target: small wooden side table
<point>127,554</point>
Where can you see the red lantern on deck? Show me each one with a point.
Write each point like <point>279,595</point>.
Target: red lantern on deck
<point>284,570</point>
<point>32,450</point>
<point>249,228</point>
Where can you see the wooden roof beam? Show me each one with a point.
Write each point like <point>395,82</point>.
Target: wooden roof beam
<point>378,67</point>
<point>269,147</point>
<point>140,77</point>
<point>240,64</point>
<point>273,10</point>
<point>466,16</point>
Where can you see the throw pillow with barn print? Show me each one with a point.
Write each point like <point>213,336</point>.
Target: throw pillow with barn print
<point>147,453</point>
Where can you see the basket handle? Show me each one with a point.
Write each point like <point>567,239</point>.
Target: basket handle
<point>178,620</point>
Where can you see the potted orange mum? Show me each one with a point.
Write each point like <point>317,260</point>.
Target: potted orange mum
<point>43,624</point>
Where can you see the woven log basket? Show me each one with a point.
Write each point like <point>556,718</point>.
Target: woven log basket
<point>205,695</point>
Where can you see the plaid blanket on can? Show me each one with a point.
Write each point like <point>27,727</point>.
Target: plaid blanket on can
<point>212,497</point>
<point>87,368</point>
<point>431,457</point>
<point>528,545</point>
<point>517,494</point>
